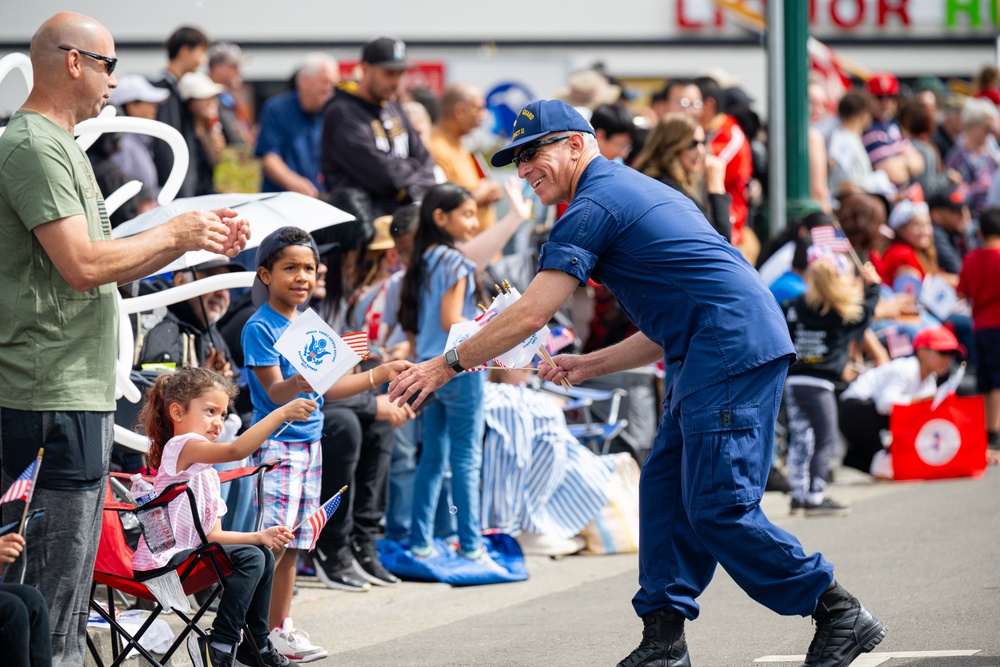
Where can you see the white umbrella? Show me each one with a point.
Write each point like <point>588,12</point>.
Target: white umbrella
<point>266,213</point>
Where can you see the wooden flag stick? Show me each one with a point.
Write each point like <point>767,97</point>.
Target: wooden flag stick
<point>548,359</point>
<point>315,395</point>
<point>854,254</point>
<point>302,523</point>
<point>31,491</point>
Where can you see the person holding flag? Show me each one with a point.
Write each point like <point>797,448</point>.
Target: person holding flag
<point>25,639</point>
<point>697,303</point>
<point>182,416</point>
<point>287,261</point>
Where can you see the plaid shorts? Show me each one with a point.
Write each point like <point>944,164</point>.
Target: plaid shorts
<point>291,491</point>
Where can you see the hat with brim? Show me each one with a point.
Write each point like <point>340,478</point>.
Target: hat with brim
<point>938,338</point>
<point>271,244</point>
<point>198,86</point>
<point>219,264</point>
<point>135,88</point>
<point>536,120</point>
<point>386,52</point>
<point>383,239</point>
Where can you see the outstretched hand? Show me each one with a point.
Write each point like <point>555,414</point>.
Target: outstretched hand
<point>515,196</point>
<point>567,367</point>
<point>419,380</point>
<point>299,409</point>
<point>238,231</point>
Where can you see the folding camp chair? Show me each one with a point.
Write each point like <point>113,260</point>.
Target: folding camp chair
<point>206,566</point>
<point>596,435</point>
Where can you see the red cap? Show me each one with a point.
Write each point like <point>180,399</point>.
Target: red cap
<point>937,338</point>
<point>883,84</point>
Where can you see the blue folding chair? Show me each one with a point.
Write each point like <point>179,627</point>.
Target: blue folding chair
<point>595,435</point>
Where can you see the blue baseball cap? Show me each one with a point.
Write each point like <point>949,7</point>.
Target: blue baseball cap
<point>534,121</point>
<point>271,244</point>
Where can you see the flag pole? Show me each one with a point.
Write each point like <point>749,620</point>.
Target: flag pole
<point>306,520</point>
<point>31,490</point>
<point>854,254</point>
<point>288,423</point>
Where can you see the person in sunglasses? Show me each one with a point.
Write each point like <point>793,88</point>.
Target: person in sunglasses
<point>698,303</point>
<point>59,330</point>
<point>675,154</point>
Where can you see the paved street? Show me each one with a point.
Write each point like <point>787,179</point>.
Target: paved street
<point>924,556</point>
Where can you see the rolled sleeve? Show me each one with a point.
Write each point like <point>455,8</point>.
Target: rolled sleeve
<point>567,258</point>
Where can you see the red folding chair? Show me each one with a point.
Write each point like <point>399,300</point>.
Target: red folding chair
<point>206,566</point>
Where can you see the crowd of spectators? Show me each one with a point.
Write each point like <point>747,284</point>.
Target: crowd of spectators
<point>908,175</point>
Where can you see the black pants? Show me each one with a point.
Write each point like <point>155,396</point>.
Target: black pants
<point>860,423</point>
<point>24,627</point>
<point>247,594</point>
<point>357,451</point>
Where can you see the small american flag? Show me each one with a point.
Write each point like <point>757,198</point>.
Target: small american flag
<point>559,338</point>
<point>357,341</point>
<point>319,518</point>
<point>898,343</point>
<point>830,237</point>
<point>21,488</point>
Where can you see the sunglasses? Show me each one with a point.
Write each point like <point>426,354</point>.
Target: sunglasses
<point>695,143</point>
<point>109,63</point>
<point>529,152</point>
<point>685,102</point>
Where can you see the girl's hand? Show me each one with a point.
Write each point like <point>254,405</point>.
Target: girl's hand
<point>869,274</point>
<point>11,546</point>
<point>275,538</point>
<point>299,409</point>
<point>518,204</point>
<point>389,371</point>
<point>302,384</point>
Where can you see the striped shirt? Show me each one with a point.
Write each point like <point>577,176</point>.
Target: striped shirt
<point>536,477</point>
<point>203,481</point>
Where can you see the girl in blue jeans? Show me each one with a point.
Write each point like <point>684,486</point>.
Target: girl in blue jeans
<point>439,290</point>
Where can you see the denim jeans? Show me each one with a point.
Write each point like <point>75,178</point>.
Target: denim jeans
<point>402,474</point>
<point>452,433</point>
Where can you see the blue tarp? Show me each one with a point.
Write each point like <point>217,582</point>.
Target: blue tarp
<point>448,567</point>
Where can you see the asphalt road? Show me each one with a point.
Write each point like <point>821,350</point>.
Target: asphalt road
<point>925,557</point>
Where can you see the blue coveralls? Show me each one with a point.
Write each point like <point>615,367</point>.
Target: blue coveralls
<point>687,289</point>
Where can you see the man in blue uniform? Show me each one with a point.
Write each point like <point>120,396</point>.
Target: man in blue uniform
<point>696,302</point>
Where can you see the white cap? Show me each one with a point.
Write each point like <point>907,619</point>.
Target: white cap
<point>197,86</point>
<point>135,88</point>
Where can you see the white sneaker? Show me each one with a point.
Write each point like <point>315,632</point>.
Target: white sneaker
<point>294,644</point>
<point>482,557</point>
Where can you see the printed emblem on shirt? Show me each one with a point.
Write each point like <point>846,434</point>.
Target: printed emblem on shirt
<point>90,187</point>
<point>391,137</point>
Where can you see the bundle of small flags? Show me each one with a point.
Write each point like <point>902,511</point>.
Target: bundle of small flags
<point>358,342</point>
<point>319,518</point>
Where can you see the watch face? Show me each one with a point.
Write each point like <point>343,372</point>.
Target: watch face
<point>451,357</point>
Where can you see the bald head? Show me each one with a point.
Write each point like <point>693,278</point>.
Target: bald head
<point>67,29</point>
<point>462,108</point>
<point>70,85</point>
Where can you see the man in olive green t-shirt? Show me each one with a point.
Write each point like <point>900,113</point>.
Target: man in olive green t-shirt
<point>59,330</point>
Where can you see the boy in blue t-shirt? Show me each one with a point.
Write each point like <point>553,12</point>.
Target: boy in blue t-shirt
<point>287,260</point>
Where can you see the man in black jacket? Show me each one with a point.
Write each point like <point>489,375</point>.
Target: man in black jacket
<point>187,335</point>
<point>368,143</point>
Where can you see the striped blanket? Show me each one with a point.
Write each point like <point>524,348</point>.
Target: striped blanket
<point>536,477</point>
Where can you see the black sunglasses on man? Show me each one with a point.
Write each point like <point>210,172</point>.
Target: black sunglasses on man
<point>109,63</point>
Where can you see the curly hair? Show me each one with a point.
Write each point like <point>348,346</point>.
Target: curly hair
<point>181,387</point>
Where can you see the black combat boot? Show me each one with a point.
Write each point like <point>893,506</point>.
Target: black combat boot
<point>844,630</point>
<point>663,643</point>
